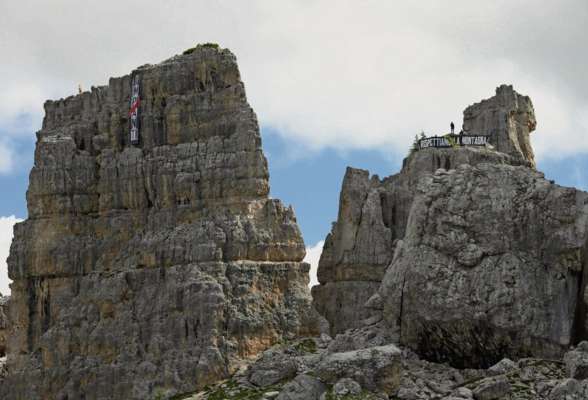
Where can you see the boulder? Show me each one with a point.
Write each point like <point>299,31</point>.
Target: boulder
<point>303,387</point>
<point>346,386</point>
<point>502,367</point>
<point>569,389</point>
<point>271,368</point>
<point>577,362</point>
<point>375,368</point>
<point>492,388</point>
<point>463,393</point>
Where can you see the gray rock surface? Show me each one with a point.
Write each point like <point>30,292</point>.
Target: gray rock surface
<point>3,323</point>
<point>151,269</point>
<point>504,366</point>
<point>569,389</point>
<point>373,213</point>
<point>518,297</point>
<point>577,361</point>
<point>507,118</point>
<point>272,368</point>
<point>492,389</point>
<point>346,386</point>
<point>529,379</point>
<point>374,368</point>
<point>463,393</point>
<point>468,255</point>
<point>303,387</point>
<point>372,220</point>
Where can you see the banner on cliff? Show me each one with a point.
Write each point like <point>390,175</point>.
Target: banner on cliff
<point>453,140</point>
<point>134,110</point>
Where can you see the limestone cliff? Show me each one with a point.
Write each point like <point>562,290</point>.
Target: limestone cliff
<point>3,323</point>
<point>468,254</point>
<point>492,259</point>
<point>507,118</point>
<point>148,270</point>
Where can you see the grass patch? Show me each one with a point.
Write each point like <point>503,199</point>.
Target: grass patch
<point>231,391</point>
<point>205,45</point>
<point>306,346</point>
<point>364,395</point>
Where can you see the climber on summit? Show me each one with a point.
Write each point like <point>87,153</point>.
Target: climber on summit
<point>452,127</point>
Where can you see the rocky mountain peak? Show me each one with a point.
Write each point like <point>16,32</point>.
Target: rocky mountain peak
<point>508,118</point>
<point>467,245</point>
<point>152,263</point>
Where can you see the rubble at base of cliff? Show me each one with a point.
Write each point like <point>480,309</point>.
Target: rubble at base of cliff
<point>309,369</point>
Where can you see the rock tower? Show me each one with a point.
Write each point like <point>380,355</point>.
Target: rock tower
<point>468,255</point>
<point>151,269</point>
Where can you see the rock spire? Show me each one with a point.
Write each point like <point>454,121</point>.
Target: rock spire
<point>149,270</point>
<point>467,245</point>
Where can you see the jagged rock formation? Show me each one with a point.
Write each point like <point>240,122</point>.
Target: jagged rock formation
<point>373,215</point>
<point>386,372</point>
<point>468,255</point>
<point>507,118</point>
<point>148,270</point>
<point>492,259</point>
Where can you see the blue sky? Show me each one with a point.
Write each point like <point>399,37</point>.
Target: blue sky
<point>332,85</point>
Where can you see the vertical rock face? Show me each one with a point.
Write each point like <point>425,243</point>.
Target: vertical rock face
<point>3,324</point>
<point>492,259</point>
<point>468,254</point>
<point>372,220</point>
<point>507,118</point>
<point>148,270</point>
<point>356,252</point>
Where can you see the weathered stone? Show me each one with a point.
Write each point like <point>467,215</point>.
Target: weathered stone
<point>521,298</point>
<point>504,366</point>
<point>507,118</point>
<point>346,386</point>
<point>569,389</point>
<point>577,362</point>
<point>150,268</point>
<point>463,393</point>
<point>272,367</point>
<point>3,323</point>
<point>375,368</point>
<point>373,213</point>
<point>492,388</point>
<point>303,387</point>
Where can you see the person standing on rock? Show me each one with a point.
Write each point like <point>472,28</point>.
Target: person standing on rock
<point>452,127</point>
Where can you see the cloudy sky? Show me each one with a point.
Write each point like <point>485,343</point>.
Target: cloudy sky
<point>334,83</point>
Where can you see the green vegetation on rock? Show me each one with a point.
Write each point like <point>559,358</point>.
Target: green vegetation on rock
<point>364,395</point>
<point>208,45</point>
<point>306,346</point>
<point>232,391</point>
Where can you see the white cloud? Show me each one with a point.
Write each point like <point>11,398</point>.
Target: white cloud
<point>313,255</point>
<point>348,75</point>
<point>6,225</point>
